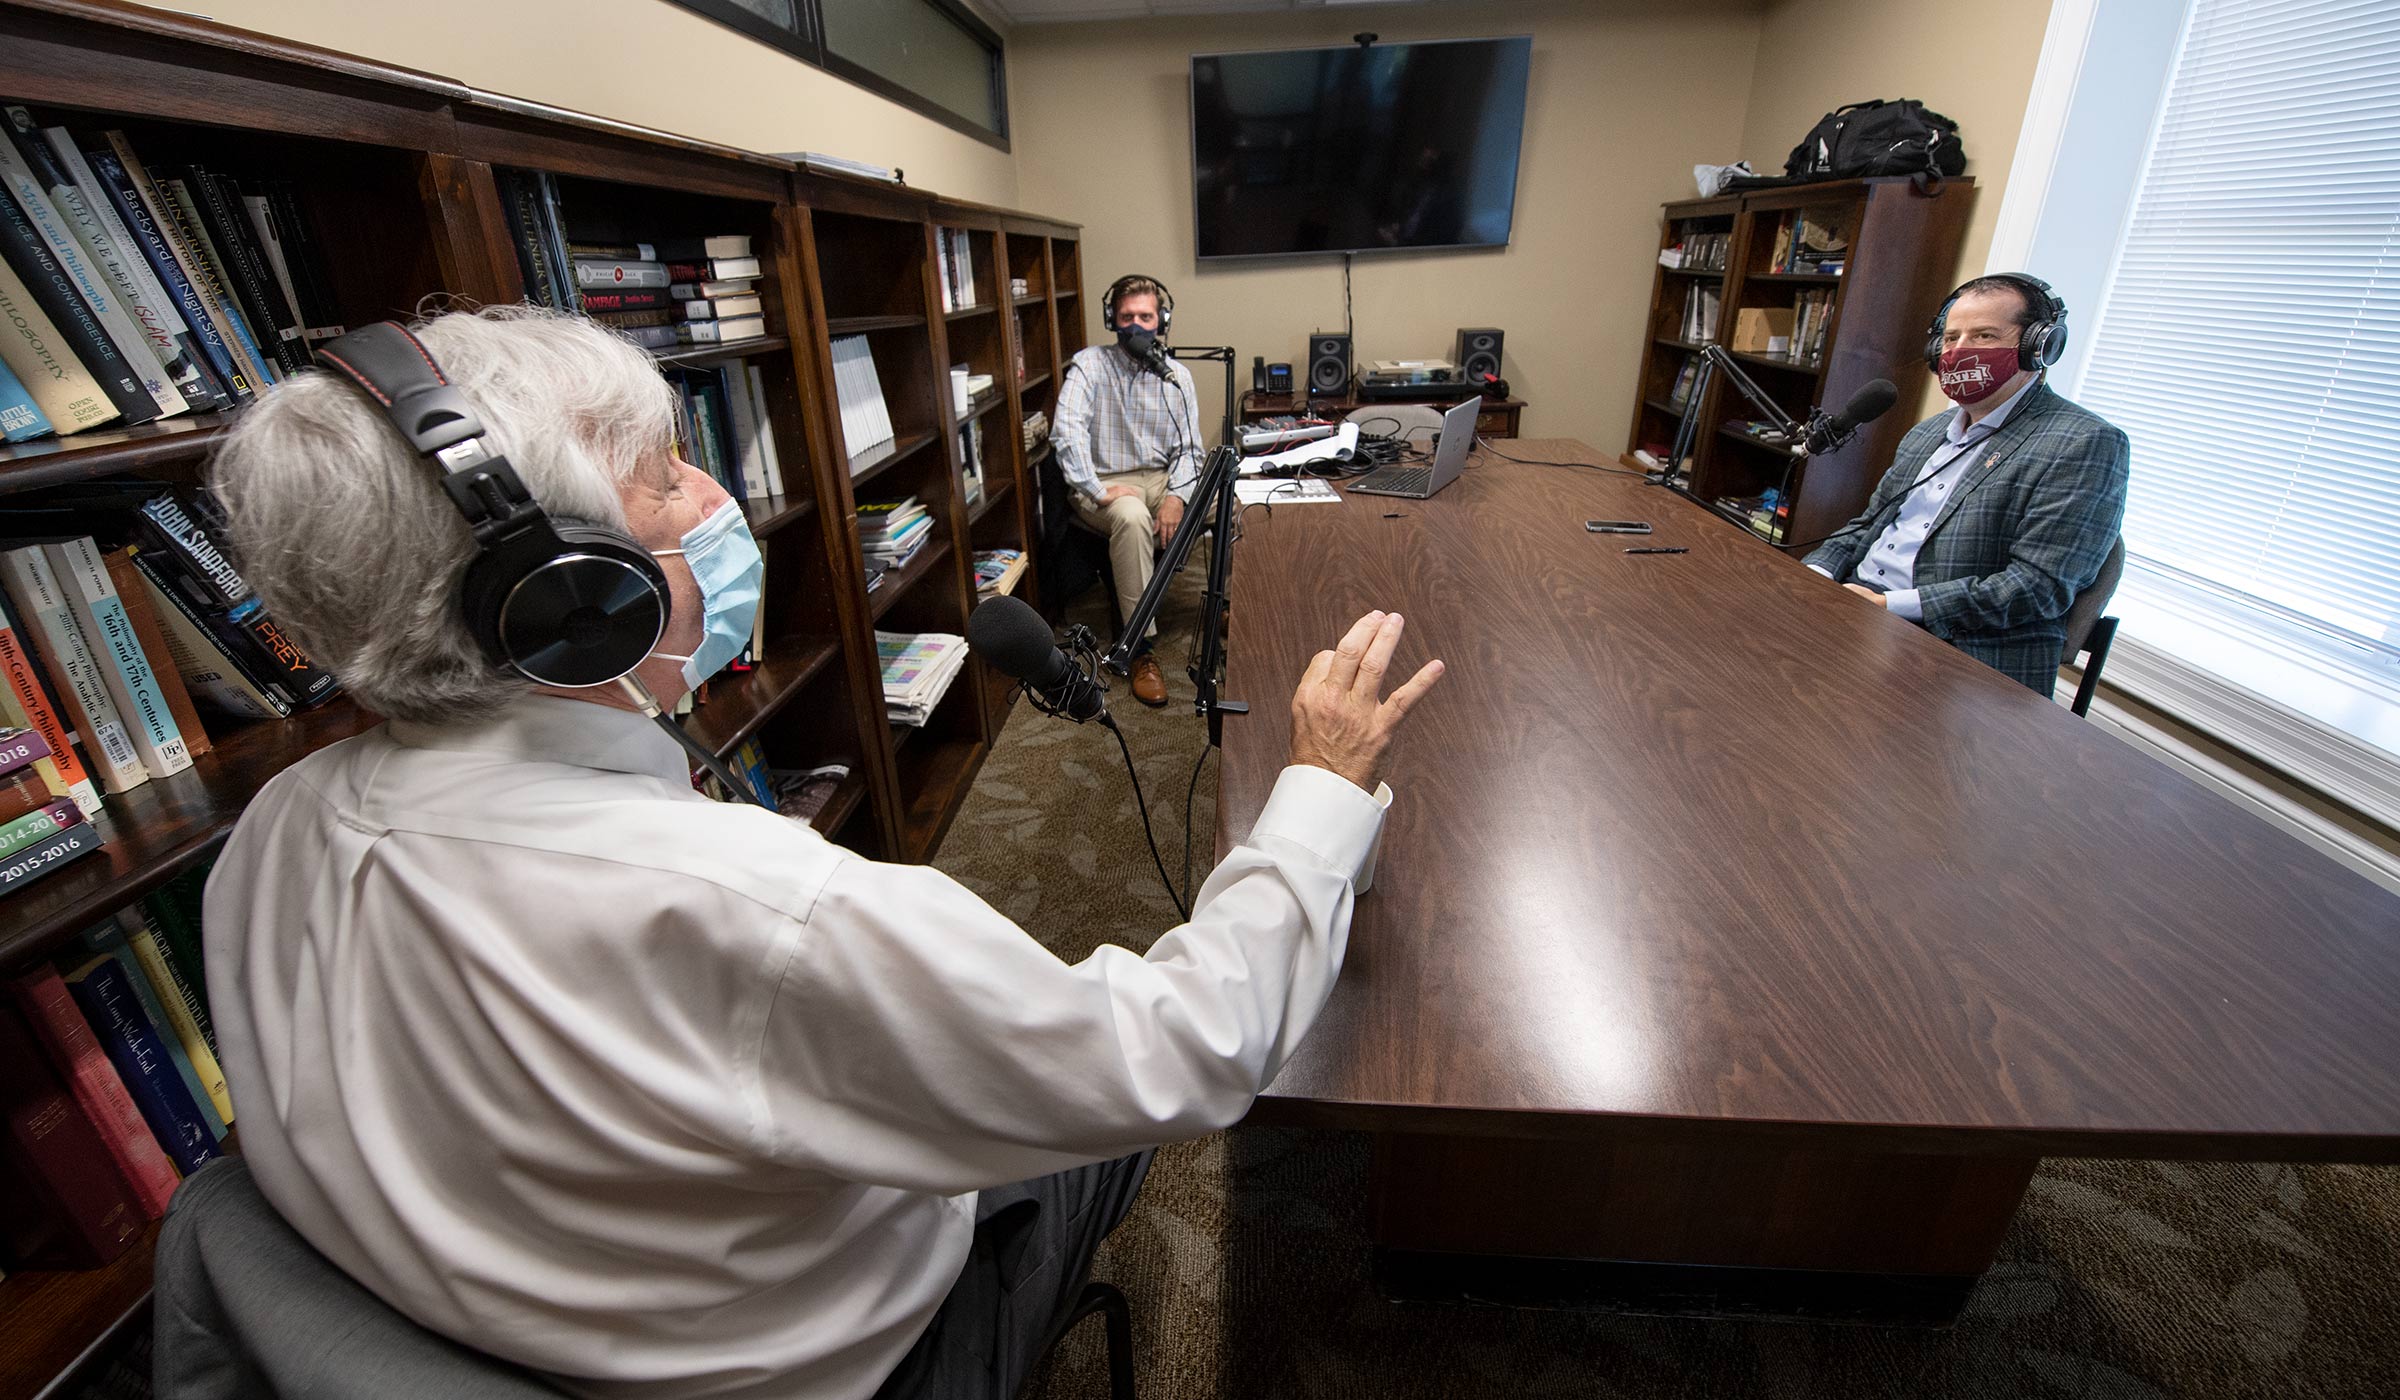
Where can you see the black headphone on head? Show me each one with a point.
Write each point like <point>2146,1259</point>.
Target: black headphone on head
<point>1116,289</point>
<point>561,601</point>
<point>2043,339</point>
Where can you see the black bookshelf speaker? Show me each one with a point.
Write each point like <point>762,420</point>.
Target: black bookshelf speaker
<point>1328,364</point>
<point>1478,354</point>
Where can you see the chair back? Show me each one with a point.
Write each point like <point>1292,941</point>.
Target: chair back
<point>2093,601</point>
<point>245,1308</point>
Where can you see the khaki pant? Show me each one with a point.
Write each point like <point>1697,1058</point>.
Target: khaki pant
<point>1131,525</point>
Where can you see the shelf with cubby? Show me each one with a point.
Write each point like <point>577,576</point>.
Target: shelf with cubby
<point>1850,271</point>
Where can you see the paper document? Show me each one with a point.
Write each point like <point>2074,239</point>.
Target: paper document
<point>1338,448</point>
<point>1301,491</point>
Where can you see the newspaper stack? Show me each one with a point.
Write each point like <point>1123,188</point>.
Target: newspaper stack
<point>917,669</point>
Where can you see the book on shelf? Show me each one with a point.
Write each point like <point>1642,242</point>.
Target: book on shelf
<point>150,632</point>
<point>917,671</point>
<point>954,258</point>
<point>194,1063</point>
<point>721,331</point>
<point>124,669</point>
<point>38,826</point>
<point>722,308</point>
<point>66,1205</point>
<point>600,301</point>
<point>695,291</point>
<point>1700,309</point>
<point>75,1054</point>
<point>77,838</point>
<point>642,319</point>
<point>751,435</point>
<point>616,273</point>
<point>135,206</point>
<point>21,419</point>
<point>226,233</point>
<point>970,462</point>
<point>25,704</point>
<point>866,422</point>
<point>38,600</point>
<point>132,1044</point>
<point>712,270</point>
<point>771,463</point>
<point>723,245</point>
<point>178,222</point>
<point>997,571</point>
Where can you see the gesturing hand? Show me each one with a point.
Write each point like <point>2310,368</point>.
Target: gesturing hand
<point>1337,722</point>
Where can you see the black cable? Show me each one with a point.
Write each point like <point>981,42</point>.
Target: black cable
<point>1486,444</point>
<point>1188,791</point>
<point>1141,803</point>
<point>1349,327</point>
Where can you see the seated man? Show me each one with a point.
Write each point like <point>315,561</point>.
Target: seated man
<point>1996,514</point>
<point>660,1095</point>
<point>1129,447</point>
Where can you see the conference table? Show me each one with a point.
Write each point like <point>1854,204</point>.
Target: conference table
<point>1736,946</point>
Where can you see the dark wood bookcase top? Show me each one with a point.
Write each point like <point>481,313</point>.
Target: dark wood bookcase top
<point>396,172</point>
<point>1902,243</point>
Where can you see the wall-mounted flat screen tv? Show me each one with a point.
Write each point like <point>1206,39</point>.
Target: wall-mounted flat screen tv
<point>1357,149</point>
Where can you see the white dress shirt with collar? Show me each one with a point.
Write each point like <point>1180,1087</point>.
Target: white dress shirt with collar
<point>1890,566</point>
<point>677,1098</point>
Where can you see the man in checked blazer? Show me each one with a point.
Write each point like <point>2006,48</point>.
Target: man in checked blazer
<point>1994,514</point>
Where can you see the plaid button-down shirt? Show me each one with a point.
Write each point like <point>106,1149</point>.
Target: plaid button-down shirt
<point>1114,417</point>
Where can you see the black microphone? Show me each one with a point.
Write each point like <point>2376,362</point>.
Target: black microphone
<point>1150,355</point>
<point>1873,400</point>
<point>1012,636</point>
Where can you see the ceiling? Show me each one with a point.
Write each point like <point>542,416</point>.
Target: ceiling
<point>1061,11</point>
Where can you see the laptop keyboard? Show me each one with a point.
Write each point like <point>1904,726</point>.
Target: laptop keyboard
<point>1396,479</point>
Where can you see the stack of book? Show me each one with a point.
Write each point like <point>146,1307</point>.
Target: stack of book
<point>891,532</point>
<point>866,422</point>
<point>917,671</point>
<point>1700,305</point>
<point>685,291</point>
<point>1036,431</point>
<point>1697,252</point>
<point>128,295</point>
<point>722,428</point>
<point>997,571</point>
<point>956,259</point>
<point>110,1088</point>
<point>39,830</point>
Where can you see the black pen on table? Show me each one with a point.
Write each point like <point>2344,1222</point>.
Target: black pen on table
<point>1659,549</point>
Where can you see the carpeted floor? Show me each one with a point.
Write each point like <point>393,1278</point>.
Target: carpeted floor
<point>1247,1256</point>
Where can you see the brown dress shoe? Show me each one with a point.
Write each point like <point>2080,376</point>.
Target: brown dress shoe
<point>1149,686</point>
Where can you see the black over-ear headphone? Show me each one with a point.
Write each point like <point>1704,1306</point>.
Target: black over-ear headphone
<point>561,601</point>
<point>1166,301</point>
<point>2044,338</point>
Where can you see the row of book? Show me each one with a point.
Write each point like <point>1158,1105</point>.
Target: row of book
<point>662,294</point>
<point>858,390</point>
<point>997,571</point>
<point>129,294</point>
<point>917,671</point>
<point>111,1090</point>
<point>1803,244</point>
<point>1698,252</point>
<point>1812,317</point>
<point>722,428</point>
<point>1700,308</point>
<point>954,257</point>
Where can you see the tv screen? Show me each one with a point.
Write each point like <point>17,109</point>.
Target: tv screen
<point>1357,148</point>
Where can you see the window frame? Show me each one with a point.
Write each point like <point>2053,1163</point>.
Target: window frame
<point>810,48</point>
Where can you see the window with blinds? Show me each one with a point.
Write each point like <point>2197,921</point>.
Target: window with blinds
<point>2250,340</point>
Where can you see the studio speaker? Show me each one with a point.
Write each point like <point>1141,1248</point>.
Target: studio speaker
<point>1478,354</point>
<point>1328,364</point>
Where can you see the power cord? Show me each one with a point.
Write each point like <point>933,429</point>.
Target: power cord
<point>1486,444</point>
<point>1143,805</point>
<point>1189,789</point>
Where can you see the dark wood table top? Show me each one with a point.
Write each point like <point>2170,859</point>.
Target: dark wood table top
<point>1701,844</point>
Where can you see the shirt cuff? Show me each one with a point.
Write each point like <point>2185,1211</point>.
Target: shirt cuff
<point>1815,570</point>
<point>1902,602</point>
<point>1326,814</point>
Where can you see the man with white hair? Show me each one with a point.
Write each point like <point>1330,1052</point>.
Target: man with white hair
<point>664,1096</point>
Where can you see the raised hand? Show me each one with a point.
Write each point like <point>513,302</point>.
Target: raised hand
<point>1338,723</point>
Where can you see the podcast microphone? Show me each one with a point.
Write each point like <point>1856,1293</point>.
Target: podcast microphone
<point>1149,354</point>
<point>1008,633</point>
<point>1873,400</point>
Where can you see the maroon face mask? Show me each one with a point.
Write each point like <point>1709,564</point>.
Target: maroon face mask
<point>1973,374</point>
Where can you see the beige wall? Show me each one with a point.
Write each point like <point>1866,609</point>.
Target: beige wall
<point>642,61</point>
<point>1815,55</point>
<point>1103,137</point>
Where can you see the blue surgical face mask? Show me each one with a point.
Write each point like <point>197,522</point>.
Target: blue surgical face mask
<point>730,571</point>
<point>1135,339</point>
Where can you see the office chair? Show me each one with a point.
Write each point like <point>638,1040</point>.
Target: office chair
<point>2087,630</point>
<point>245,1308</point>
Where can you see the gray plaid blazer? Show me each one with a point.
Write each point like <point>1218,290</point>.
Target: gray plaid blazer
<point>2027,530</point>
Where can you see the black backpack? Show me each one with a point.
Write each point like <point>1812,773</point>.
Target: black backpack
<point>1878,138</point>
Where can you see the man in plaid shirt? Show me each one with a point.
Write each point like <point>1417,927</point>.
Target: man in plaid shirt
<point>1995,514</point>
<point>1129,448</point>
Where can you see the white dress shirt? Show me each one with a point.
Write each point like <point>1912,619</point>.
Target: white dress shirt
<point>1890,565</point>
<point>1114,416</point>
<point>677,1098</point>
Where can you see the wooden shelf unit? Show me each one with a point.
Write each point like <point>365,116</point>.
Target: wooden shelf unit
<point>1902,244</point>
<point>396,172</point>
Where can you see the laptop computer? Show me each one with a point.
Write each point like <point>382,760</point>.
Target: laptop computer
<point>1450,451</point>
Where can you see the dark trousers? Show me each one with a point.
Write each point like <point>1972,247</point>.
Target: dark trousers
<point>1033,1249</point>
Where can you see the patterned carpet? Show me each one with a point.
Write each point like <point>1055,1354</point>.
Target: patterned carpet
<point>1247,1256</point>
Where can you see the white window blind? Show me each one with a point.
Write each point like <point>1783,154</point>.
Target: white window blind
<point>2250,341</point>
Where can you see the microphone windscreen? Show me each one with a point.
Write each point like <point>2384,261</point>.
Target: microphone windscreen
<point>1008,633</point>
<point>1873,400</point>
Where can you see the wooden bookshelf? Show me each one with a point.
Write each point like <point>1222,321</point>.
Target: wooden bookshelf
<point>399,170</point>
<point>1902,243</point>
